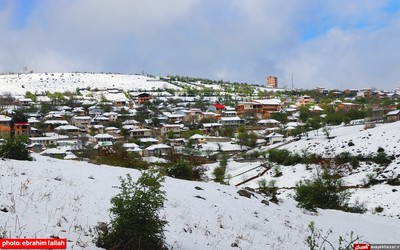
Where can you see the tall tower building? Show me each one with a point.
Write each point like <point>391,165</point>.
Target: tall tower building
<point>272,82</point>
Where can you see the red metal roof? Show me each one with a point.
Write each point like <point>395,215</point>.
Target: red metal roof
<point>21,123</point>
<point>219,106</point>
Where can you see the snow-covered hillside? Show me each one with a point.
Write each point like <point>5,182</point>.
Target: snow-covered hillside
<point>363,142</point>
<point>67,198</point>
<point>18,84</point>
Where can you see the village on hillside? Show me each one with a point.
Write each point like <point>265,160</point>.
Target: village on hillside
<point>263,143</point>
<point>179,115</point>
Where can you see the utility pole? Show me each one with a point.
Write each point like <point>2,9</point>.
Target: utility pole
<point>292,82</point>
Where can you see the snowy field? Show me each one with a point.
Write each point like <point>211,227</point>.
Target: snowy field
<point>365,142</point>
<point>18,84</point>
<point>50,197</point>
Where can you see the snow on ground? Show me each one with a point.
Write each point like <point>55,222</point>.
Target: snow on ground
<point>18,84</point>
<point>236,172</point>
<point>365,142</point>
<point>67,198</point>
<point>223,146</point>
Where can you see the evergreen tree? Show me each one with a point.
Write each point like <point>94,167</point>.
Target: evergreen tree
<point>136,223</point>
<point>14,148</point>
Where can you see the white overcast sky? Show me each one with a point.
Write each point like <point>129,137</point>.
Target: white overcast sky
<point>326,43</point>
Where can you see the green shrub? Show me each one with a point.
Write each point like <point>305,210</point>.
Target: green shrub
<point>343,157</point>
<point>219,172</point>
<point>269,188</point>
<point>182,169</point>
<point>284,157</point>
<point>135,222</point>
<point>346,157</point>
<point>357,208</point>
<point>118,156</point>
<point>381,158</point>
<point>219,175</point>
<point>323,191</point>
<point>14,148</point>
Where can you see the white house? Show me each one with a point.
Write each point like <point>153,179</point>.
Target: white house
<point>103,140</point>
<point>69,130</point>
<point>231,121</point>
<point>43,140</point>
<point>81,121</point>
<point>274,138</point>
<point>140,133</point>
<point>156,150</point>
<point>112,116</point>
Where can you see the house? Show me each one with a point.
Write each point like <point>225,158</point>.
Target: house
<point>103,140</point>
<point>81,121</point>
<point>270,123</point>
<point>112,116</point>
<point>306,99</point>
<point>59,152</point>
<point>144,97</point>
<point>100,120</point>
<point>393,116</point>
<point>51,124</point>
<point>174,118</point>
<point>95,111</point>
<point>157,150</point>
<point>20,127</point>
<point>176,142</point>
<point>140,133</point>
<point>43,140</point>
<point>148,141</point>
<point>208,116</point>
<point>347,106</point>
<point>171,129</point>
<point>198,138</point>
<point>274,138</point>
<point>112,130</point>
<point>57,115</point>
<point>133,147</point>
<point>24,101</point>
<point>367,93</point>
<point>231,121</point>
<point>316,109</point>
<point>350,92</point>
<point>121,102</point>
<point>35,132</point>
<point>95,129</point>
<point>69,130</point>
<point>131,122</point>
<point>193,115</point>
<point>229,113</point>
<point>212,128</point>
<point>218,108</point>
<point>35,147</point>
<point>5,122</point>
<point>259,108</point>
<point>78,111</point>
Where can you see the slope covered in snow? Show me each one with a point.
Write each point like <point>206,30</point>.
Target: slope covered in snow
<point>356,141</point>
<point>18,84</point>
<point>50,197</point>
